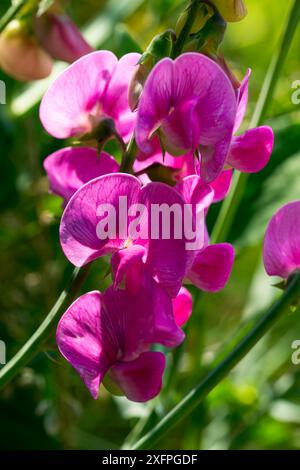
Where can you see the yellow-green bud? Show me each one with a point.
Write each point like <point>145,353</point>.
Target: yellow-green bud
<point>231,10</point>
<point>203,13</point>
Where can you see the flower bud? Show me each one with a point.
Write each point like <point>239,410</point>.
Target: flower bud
<point>231,10</point>
<point>202,15</point>
<point>60,37</point>
<point>160,47</point>
<point>21,56</point>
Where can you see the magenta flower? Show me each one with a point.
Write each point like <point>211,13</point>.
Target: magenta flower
<point>90,90</point>
<point>108,336</point>
<point>192,104</point>
<point>212,264</point>
<point>182,306</point>
<point>251,151</point>
<point>181,167</point>
<point>281,251</point>
<point>88,229</point>
<point>68,169</point>
<point>60,37</point>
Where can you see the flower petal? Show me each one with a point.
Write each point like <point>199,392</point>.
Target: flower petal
<point>194,191</point>
<point>212,267</point>
<point>155,104</point>
<point>79,340</point>
<point>140,380</point>
<point>79,231</point>
<point>221,185</point>
<point>251,152</point>
<point>140,319</point>
<point>182,306</point>
<point>167,256</point>
<point>116,97</point>
<point>282,242</point>
<point>242,101</point>
<point>76,93</point>
<point>128,259</point>
<point>69,168</point>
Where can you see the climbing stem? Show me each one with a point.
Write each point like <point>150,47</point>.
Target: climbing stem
<point>195,397</point>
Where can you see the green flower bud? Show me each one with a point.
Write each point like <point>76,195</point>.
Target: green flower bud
<point>203,13</point>
<point>20,54</point>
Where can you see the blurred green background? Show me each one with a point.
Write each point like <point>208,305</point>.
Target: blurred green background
<point>47,405</point>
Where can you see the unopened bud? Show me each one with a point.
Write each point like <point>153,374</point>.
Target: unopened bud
<point>60,37</point>
<point>203,13</point>
<point>21,56</point>
<point>231,10</point>
<point>209,38</point>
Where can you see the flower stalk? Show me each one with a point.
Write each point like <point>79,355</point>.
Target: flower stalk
<point>11,13</point>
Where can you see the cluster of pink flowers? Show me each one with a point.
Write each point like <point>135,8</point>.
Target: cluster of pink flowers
<point>185,123</point>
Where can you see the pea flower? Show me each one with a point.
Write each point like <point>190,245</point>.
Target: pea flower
<point>90,92</point>
<point>112,214</point>
<point>212,265</point>
<point>191,104</point>
<point>251,151</point>
<point>175,169</point>
<point>281,252</point>
<point>107,337</point>
<point>182,306</point>
<point>60,37</point>
<point>69,168</point>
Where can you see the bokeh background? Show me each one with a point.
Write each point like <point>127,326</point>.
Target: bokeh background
<point>47,405</point>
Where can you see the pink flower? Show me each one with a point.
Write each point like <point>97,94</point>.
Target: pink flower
<point>90,90</point>
<point>182,306</point>
<point>212,264</point>
<point>251,151</point>
<point>108,336</point>
<point>192,104</point>
<point>281,251</point>
<point>68,169</point>
<point>87,233</point>
<point>181,167</point>
<point>60,37</point>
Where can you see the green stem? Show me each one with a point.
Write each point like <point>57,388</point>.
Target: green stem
<point>195,397</point>
<point>27,352</point>
<point>128,157</point>
<point>11,13</point>
<point>231,204</point>
<point>184,34</point>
